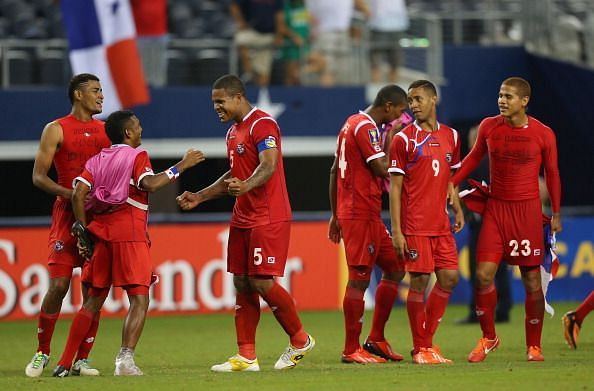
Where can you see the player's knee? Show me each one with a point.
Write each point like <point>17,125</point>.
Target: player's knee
<point>449,281</point>
<point>483,278</point>
<point>58,288</point>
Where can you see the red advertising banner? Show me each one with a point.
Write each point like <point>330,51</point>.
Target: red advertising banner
<point>190,260</point>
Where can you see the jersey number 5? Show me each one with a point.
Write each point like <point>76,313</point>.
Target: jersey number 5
<point>525,251</point>
<point>257,256</point>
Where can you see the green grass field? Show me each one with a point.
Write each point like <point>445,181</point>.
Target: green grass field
<point>176,353</point>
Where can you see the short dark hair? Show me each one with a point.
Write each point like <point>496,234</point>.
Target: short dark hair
<point>77,82</point>
<point>390,93</point>
<point>521,85</point>
<point>116,123</point>
<point>424,84</point>
<point>230,83</point>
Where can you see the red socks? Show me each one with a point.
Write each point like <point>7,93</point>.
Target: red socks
<point>45,329</point>
<point>535,308</point>
<point>283,307</point>
<point>385,295</point>
<point>435,308</point>
<point>486,301</point>
<point>353,308</point>
<point>584,308</point>
<point>247,316</point>
<point>415,307</point>
<point>79,328</point>
<point>87,343</point>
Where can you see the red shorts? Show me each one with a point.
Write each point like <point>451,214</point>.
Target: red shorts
<point>368,243</point>
<point>118,264</point>
<point>62,245</point>
<point>511,230</point>
<point>427,254</point>
<point>258,251</point>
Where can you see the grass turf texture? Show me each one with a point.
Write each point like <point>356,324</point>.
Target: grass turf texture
<point>177,352</point>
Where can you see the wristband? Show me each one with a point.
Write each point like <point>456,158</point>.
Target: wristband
<point>172,173</point>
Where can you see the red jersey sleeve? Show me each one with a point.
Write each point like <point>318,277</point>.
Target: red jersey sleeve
<point>398,154</point>
<point>551,170</point>
<point>142,167</point>
<point>455,163</point>
<point>369,142</point>
<point>85,177</point>
<point>265,133</point>
<point>474,157</point>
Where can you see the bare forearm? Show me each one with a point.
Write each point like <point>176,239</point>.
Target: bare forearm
<point>216,190</point>
<point>332,192</point>
<point>49,186</point>
<point>261,174</point>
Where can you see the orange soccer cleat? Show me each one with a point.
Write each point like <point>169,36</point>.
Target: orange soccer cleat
<point>482,348</point>
<point>429,356</point>
<point>382,349</point>
<point>361,356</point>
<point>535,353</point>
<point>571,330</point>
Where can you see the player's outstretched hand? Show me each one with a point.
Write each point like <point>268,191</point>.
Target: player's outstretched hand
<point>236,187</point>
<point>188,200</point>
<point>334,233</point>
<point>192,157</point>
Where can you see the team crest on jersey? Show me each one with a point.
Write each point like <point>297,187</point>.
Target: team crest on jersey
<point>413,254</point>
<point>240,148</point>
<point>536,251</point>
<point>59,245</point>
<point>371,248</point>
<point>270,142</point>
<point>271,260</point>
<point>448,157</point>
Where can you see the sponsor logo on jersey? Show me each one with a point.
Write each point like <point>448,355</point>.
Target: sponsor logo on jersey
<point>370,248</point>
<point>240,148</point>
<point>59,245</point>
<point>536,251</point>
<point>413,254</point>
<point>434,144</point>
<point>394,163</point>
<point>270,142</point>
<point>271,260</point>
<point>448,157</point>
<point>374,136</point>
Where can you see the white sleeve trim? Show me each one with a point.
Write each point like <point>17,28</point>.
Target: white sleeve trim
<point>456,165</point>
<point>396,170</point>
<point>260,119</point>
<point>375,156</point>
<point>363,123</point>
<point>455,132</point>
<point>140,178</point>
<point>81,179</point>
<point>405,138</point>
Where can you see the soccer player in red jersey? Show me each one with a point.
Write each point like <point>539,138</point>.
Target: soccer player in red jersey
<point>66,143</point>
<point>517,145</point>
<point>114,187</point>
<point>422,157</point>
<point>355,190</point>
<point>572,320</point>
<point>260,225</point>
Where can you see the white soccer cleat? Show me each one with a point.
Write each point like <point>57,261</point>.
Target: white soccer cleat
<point>125,366</point>
<point>82,368</point>
<point>237,363</point>
<point>37,364</point>
<point>292,356</point>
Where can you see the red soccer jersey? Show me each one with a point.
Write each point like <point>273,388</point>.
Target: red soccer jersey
<point>426,160</point>
<point>268,203</point>
<point>127,223</point>
<point>81,141</point>
<point>359,194</point>
<point>515,158</point>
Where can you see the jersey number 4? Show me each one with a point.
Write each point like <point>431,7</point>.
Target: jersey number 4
<point>342,163</point>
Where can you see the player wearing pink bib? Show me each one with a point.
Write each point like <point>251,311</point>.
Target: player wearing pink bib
<point>360,164</point>
<point>518,145</point>
<point>260,225</point>
<point>422,157</point>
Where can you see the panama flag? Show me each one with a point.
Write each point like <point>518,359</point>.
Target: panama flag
<point>101,36</point>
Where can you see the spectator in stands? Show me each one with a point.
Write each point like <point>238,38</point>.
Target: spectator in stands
<point>387,24</point>
<point>260,24</point>
<point>331,36</point>
<point>150,18</point>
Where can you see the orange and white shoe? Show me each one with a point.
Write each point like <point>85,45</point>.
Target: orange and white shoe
<point>535,353</point>
<point>362,356</point>
<point>571,330</point>
<point>429,356</point>
<point>382,349</point>
<point>482,348</point>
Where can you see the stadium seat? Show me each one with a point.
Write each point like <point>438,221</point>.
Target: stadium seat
<point>178,68</point>
<point>209,64</point>
<point>20,67</point>
<point>54,68</point>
